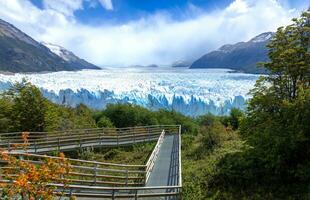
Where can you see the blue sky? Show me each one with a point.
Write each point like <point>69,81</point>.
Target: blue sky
<point>123,11</point>
<point>131,32</point>
<point>128,10</point>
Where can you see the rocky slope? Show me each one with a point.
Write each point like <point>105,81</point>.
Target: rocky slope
<point>242,56</point>
<point>20,53</point>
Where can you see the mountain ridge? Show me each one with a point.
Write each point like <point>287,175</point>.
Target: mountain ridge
<point>21,53</point>
<point>69,56</point>
<point>241,56</point>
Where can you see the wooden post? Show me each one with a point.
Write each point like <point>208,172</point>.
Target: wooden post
<point>126,177</point>
<point>113,193</point>
<point>80,144</point>
<point>58,144</point>
<point>70,193</point>
<point>136,195</point>
<point>145,175</point>
<point>117,139</point>
<point>9,145</point>
<point>95,172</point>
<point>35,146</point>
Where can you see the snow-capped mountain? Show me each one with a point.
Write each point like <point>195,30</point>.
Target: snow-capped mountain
<point>242,56</point>
<point>69,56</point>
<point>58,50</point>
<point>191,92</point>
<point>262,37</point>
<point>21,53</point>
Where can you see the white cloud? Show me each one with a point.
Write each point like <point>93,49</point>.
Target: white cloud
<point>66,7</point>
<point>152,39</point>
<point>107,4</point>
<point>238,6</point>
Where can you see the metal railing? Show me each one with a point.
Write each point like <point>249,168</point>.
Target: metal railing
<point>152,159</point>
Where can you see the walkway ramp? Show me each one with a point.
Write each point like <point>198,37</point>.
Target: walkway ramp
<point>166,168</point>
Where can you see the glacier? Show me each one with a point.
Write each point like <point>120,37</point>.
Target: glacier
<point>192,92</point>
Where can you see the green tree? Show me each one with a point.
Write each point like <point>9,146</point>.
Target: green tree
<point>29,107</point>
<point>104,122</point>
<point>277,123</point>
<point>289,64</point>
<point>235,117</point>
<point>83,117</point>
<point>127,115</point>
<point>5,114</point>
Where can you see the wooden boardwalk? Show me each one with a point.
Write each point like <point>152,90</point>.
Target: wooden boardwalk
<point>159,178</point>
<point>166,168</point>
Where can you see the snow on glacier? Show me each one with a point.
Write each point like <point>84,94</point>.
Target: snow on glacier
<point>190,91</point>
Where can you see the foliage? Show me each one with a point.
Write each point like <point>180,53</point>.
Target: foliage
<point>277,123</point>
<point>201,155</point>
<point>289,59</point>
<point>104,122</point>
<point>27,102</point>
<point>234,118</point>
<point>23,108</point>
<point>5,115</point>
<point>28,181</point>
<point>136,154</point>
<point>127,115</point>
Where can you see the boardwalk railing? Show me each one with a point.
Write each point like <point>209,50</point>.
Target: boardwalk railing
<point>152,159</point>
<point>98,179</point>
<point>43,142</point>
<point>83,172</point>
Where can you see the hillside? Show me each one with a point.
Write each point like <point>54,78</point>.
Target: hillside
<point>242,56</point>
<point>69,56</point>
<point>20,53</point>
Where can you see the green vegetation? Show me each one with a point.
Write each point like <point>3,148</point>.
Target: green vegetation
<point>23,108</point>
<point>137,154</point>
<point>263,153</point>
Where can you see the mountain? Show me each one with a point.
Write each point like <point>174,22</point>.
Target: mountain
<point>181,63</point>
<point>69,57</point>
<point>20,53</point>
<point>242,56</point>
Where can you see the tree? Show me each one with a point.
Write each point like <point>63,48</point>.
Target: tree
<point>126,115</point>
<point>5,114</point>
<point>83,117</point>
<point>277,122</point>
<point>290,58</point>
<point>104,122</point>
<point>31,180</point>
<point>235,117</point>
<point>29,107</point>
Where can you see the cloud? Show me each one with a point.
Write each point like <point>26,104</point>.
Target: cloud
<point>151,39</point>
<point>107,4</point>
<point>66,7</point>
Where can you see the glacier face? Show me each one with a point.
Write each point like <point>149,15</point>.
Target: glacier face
<point>192,92</point>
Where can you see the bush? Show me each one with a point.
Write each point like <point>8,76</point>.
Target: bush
<point>104,122</point>
<point>126,115</point>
